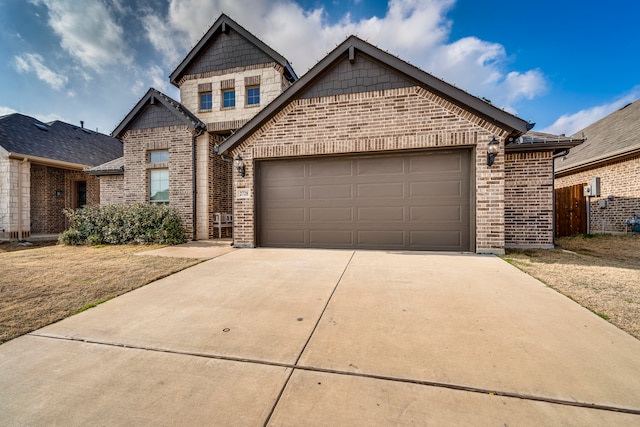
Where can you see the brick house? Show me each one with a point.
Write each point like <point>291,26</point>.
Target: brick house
<point>363,151</point>
<point>41,173</point>
<point>610,154</point>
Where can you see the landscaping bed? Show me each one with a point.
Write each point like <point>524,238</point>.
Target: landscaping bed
<point>599,272</point>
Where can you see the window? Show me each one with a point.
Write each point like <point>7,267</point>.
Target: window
<point>159,156</point>
<point>228,99</point>
<point>206,101</point>
<point>159,185</point>
<point>253,96</point>
<point>81,194</point>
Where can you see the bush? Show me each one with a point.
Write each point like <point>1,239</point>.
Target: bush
<point>119,224</point>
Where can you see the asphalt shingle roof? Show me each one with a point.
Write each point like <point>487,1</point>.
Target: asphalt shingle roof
<point>615,135</point>
<point>57,140</point>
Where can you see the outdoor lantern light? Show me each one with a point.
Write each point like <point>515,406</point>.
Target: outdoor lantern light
<point>492,151</point>
<point>239,165</point>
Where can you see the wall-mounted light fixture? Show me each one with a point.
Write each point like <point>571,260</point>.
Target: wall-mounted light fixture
<point>238,163</point>
<point>492,151</point>
<point>58,194</point>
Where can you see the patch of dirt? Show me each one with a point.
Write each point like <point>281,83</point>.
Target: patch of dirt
<point>600,272</point>
<point>42,284</point>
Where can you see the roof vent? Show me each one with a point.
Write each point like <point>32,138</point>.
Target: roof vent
<point>41,127</point>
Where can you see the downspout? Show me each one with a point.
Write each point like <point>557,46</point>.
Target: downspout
<point>553,186</point>
<point>194,200</point>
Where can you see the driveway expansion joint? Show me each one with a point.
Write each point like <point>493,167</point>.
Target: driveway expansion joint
<point>294,366</point>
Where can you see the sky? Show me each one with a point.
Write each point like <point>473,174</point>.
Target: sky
<point>562,64</point>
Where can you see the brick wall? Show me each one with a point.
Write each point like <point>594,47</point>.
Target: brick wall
<point>528,198</point>
<point>395,119</point>
<point>111,189</point>
<point>46,211</point>
<point>177,139</point>
<point>620,179</point>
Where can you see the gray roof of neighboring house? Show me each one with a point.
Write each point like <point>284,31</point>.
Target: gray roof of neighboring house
<point>22,135</point>
<point>222,26</point>
<point>178,112</point>
<point>612,137</point>
<point>348,48</point>
<point>114,167</point>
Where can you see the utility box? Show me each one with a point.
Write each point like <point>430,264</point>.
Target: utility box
<point>602,203</point>
<point>595,187</point>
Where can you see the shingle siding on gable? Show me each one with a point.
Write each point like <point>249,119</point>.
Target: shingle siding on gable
<point>155,116</point>
<point>364,75</point>
<point>228,51</point>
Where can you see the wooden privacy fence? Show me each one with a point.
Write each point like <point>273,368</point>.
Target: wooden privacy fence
<point>571,211</point>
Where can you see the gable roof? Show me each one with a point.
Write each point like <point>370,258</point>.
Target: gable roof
<point>154,97</point>
<point>612,137</point>
<point>57,142</point>
<point>222,26</point>
<point>348,49</point>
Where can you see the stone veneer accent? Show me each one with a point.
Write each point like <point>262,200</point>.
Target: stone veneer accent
<point>218,119</point>
<point>377,121</point>
<point>528,211</point>
<point>15,178</point>
<point>177,139</point>
<point>620,179</point>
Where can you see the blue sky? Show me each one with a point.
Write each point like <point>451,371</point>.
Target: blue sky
<point>561,64</point>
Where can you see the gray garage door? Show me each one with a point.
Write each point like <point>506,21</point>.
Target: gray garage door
<point>419,201</point>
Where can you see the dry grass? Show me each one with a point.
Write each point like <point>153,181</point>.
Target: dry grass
<point>601,273</point>
<point>42,284</point>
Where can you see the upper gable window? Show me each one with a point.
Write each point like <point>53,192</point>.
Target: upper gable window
<point>206,101</point>
<point>228,99</point>
<point>206,97</point>
<point>159,156</point>
<point>253,95</point>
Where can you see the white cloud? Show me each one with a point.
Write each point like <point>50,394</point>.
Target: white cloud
<point>415,30</point>
<point>569,124</point>
<point>33,63</point>
<point>89,32</point>
<point>5,111</point>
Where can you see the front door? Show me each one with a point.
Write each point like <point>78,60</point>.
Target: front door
<point>81,194</point>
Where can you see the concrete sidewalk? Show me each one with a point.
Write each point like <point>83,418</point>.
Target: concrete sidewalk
<point>327,337</point>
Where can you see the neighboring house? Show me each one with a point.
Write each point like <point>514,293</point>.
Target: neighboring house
<point>41,173</point>
<point>363,151</point>
<point>612,154</point>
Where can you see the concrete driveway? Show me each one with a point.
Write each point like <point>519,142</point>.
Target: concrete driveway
<point>285,337</point>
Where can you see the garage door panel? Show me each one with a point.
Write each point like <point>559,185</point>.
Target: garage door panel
<point>417,201</point>
<point>285,214</point>
<point>380,190</point>
<point>336,168</point>
<point>436,189</point>
<point>285,193</point>
<point>283,171</point>
<point>324,215</point>
<point>289,237</point>
<point>381,214</point>
<point>331,238</point>
<point>440,214</point>
<point>439,239</point>
<point>433,164</point>
<point>380,166</point>
<point>328,192</point>
<point>378,238</point>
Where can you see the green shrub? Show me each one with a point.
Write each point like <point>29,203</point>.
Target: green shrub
<point>119,224</point>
